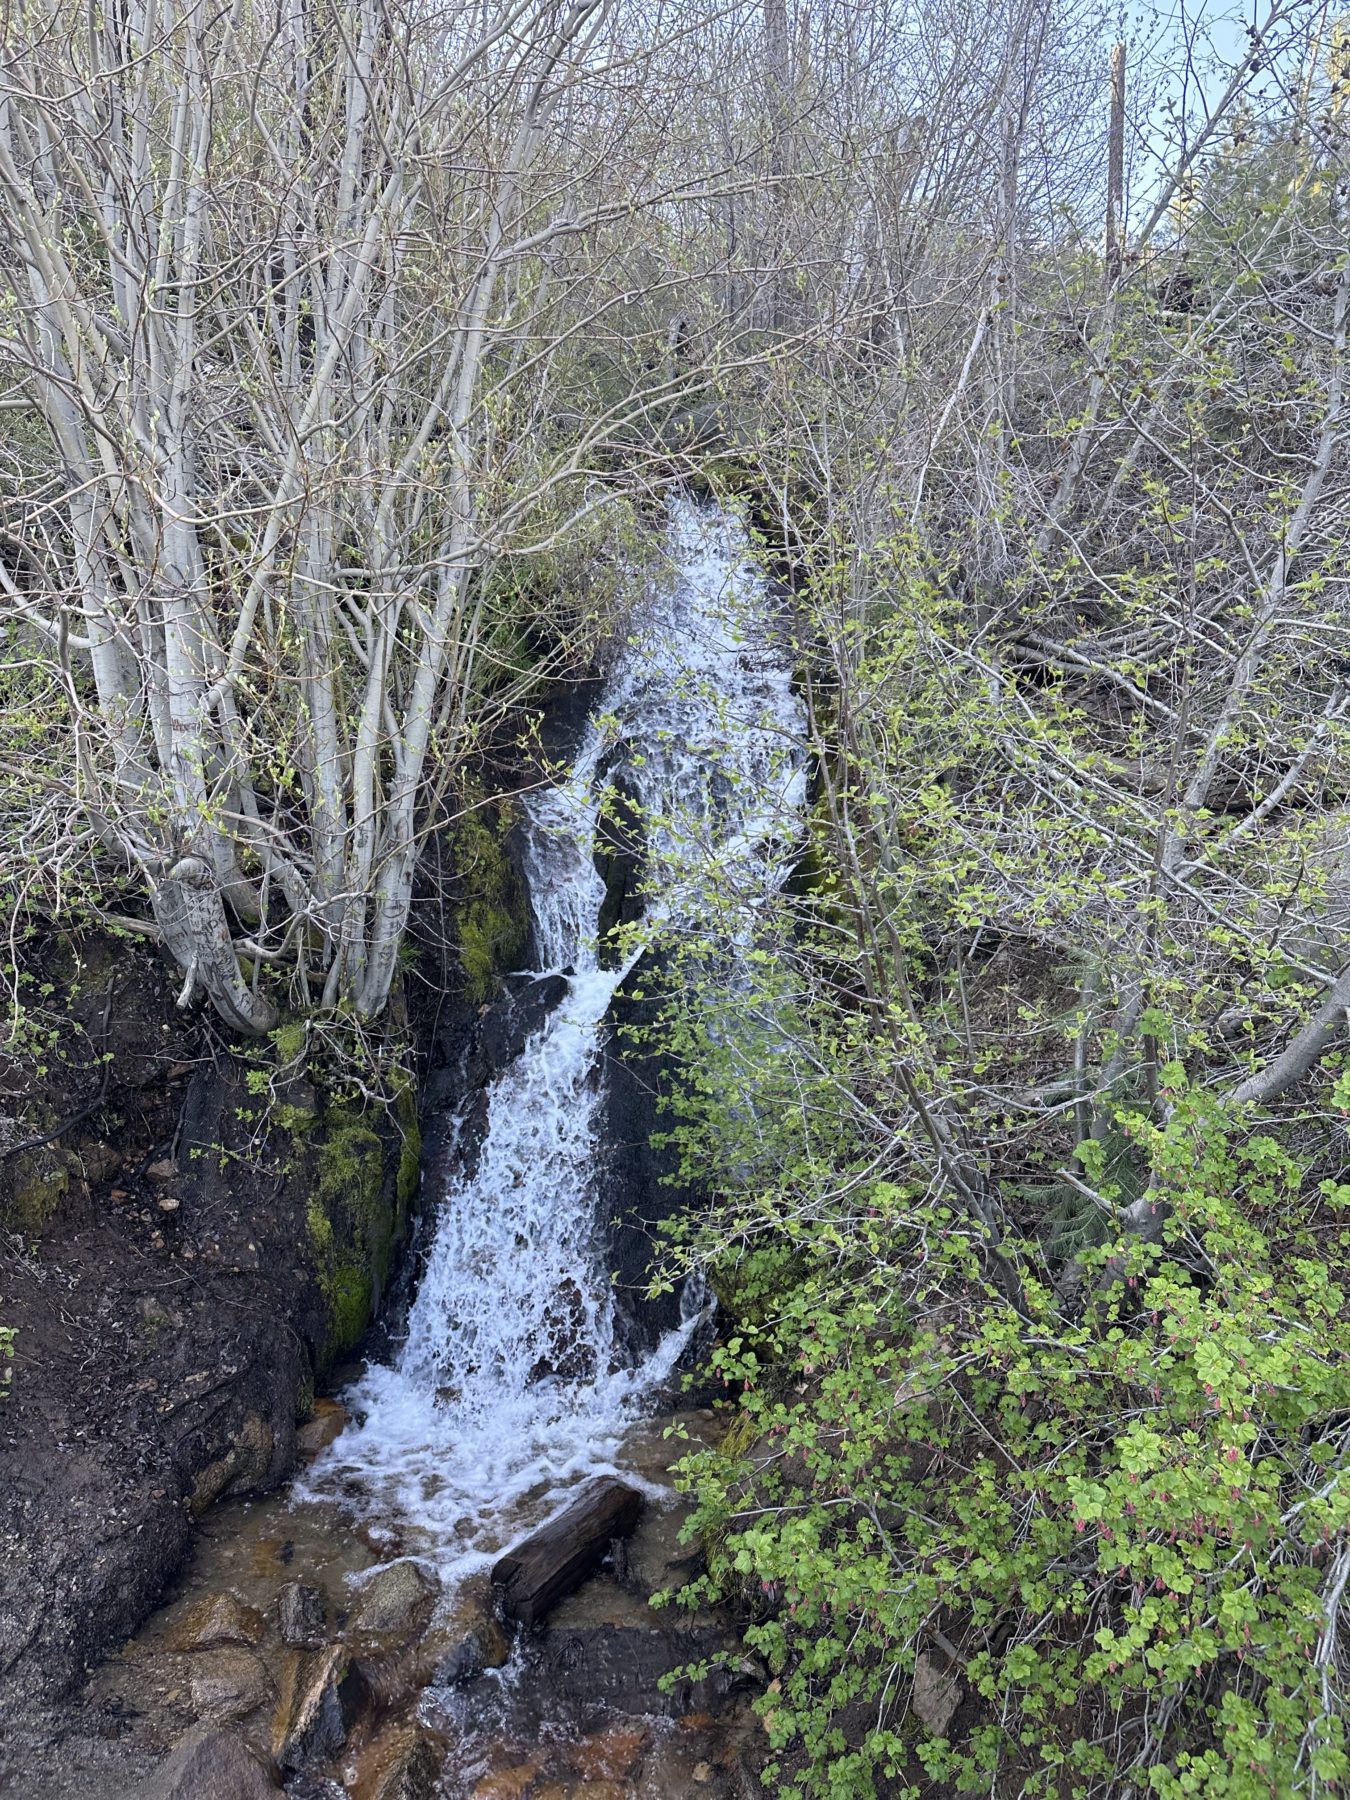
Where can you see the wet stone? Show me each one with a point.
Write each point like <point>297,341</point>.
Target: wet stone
<point>210,1764</point>
<point>403,1763</point>
<point>219,1619</point>
<point>320,1429</point>
<point>482,1646</point>
<point>301,1615</point>
<point>321,1697</point>
<point>610,1755</point>
<point>506,1784</point>
<point>395,1602</point>
<point>228,1683</point>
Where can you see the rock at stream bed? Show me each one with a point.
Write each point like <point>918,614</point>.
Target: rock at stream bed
<point>210,1764</point>
<point>321,1698</point>
<point>302,1616</point>
<point>403,1763</point>
<point>228,1683</point>
<point>393,1604</point>
<point>622,1667</point>
<point>323,1426</point>
<point>219,1619</point>
<point>482,1645</point>
<point>558,1557</point>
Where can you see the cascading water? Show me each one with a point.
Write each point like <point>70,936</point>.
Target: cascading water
<point>510,1384</point>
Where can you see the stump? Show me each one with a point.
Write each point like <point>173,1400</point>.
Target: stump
<point>537,1574</point>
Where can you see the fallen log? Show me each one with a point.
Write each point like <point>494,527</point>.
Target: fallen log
<point>536,1575</point>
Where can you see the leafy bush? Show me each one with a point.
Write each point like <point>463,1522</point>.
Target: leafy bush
<point>1131,1531</point>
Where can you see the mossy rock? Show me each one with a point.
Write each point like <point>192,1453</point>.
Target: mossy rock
<point>353,1220</point>
<point>39,1182</point>
<point>491,913</point>
<point>409,1160</point>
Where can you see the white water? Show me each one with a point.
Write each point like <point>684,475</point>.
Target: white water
<point>510,1385</point>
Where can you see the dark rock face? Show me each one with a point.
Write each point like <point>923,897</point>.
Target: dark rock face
<point>620,1667</point>
<point>164,1354</point>
<point>322,1696</point>
<point>640,1185</point>
<point>592,1676</point>
<point>620,855</point>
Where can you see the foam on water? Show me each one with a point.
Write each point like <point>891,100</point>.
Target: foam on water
<point>510,1386</point>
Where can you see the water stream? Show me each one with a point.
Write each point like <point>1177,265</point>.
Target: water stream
<point>513,1382</point>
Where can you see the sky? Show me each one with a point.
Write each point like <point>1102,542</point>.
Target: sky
<point>1181,55</point>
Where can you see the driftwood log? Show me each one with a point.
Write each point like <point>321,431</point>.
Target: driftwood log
<point>538,1573</point>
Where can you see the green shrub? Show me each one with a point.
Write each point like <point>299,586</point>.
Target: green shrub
<point>1131,1527</point>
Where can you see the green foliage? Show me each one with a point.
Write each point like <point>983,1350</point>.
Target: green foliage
<point>1126,1524</point>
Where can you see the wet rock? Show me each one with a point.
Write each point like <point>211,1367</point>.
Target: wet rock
<point>228,1684</point>
<point>383,1541</point>
<point>210,1764</point>
<point>505,1026</point>
<point>246,1465</point>
<point>936,1696</point>
<point>610,1755</point>
<point>621,1666</point>
<point>219,1619</point>
<point>322,1696</point>
<point>506,1784</point>
<point>557,1558</point>
<point>482,1645</point>
<point>302,1616</point>
<point>324,1424</point>
<point>403,1763</point>
<point>395,1603</point>
<point>392,1675</point>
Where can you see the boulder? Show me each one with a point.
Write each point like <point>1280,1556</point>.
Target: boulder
<point>247,1466</point>
<point>219,1619</point>
<point>228,1683</point>
<point>322,1696</point>
<point>324,1424</point>
<point>936,1696</point>
<point>394,1603</point>
<point>621,1667</point>
<point>302,1616</point>
<point>402,1763</point>
<point>479,1646</point>
<point>210,1764</point>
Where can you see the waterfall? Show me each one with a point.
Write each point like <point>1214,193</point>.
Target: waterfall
<point>511,1384</point>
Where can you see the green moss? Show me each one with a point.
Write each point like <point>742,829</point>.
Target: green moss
<point>295,1120</point>
<point>491,922</point>
<point>41,1180</point>
<point>350,1224</point>
<point>410,1158</point>
<point>351,1166</point>
<point>350,1297</point>
<point>319,1227</point>
<point>289,1042</point>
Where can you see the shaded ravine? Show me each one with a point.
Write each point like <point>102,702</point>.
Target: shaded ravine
<point>340,1636</point>
<point>514,1381</point>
